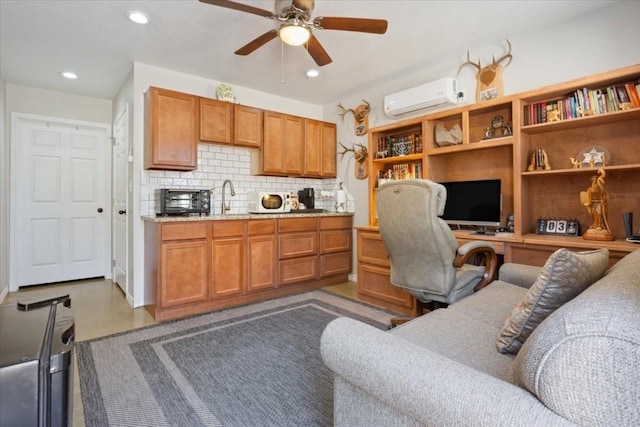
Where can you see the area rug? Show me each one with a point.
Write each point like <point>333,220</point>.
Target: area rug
<point>254,365</point>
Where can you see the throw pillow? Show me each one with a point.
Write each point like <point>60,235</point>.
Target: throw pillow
<point>564,276</point>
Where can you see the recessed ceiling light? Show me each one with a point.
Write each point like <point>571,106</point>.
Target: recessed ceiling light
<point>138,17</point>
<point>312,73</point>
<point>70,75</point>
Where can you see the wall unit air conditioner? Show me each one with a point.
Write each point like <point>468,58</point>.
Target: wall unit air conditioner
<point>438,93</point>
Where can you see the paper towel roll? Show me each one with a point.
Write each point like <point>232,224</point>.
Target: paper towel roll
<point>341,201</point>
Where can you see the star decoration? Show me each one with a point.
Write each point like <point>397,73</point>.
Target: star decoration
<point>593,156</point>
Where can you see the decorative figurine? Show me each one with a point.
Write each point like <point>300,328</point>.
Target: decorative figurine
<point>225,93</point>
<point>553,116</point>
<point>595,156</point>
<point>596,200</point>
<point>498,127</point>
<point>360,115</point>
<point>489,77</point>
<point>539,160</point>
<point>577,164</point>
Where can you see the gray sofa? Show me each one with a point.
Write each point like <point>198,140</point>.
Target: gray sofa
<point>580,366</point>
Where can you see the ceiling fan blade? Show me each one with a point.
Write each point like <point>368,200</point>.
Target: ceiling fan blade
<point>363,25</point>
<point>306,5</point>
<point>317,52</point>
<point>256,43</point>
<point>239,6</point>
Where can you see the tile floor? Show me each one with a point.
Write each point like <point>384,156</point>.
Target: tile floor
<point>100,308</point>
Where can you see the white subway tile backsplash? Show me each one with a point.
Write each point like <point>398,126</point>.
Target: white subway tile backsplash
<point>216,163</point>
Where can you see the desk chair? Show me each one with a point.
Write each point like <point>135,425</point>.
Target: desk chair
<point>423,252</point>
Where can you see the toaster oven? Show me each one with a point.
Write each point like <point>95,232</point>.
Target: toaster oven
<point>182,202</point>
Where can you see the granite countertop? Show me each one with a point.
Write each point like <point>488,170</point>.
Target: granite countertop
<point>186,218</point>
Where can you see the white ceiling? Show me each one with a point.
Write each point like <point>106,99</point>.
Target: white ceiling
<point>41,38</point>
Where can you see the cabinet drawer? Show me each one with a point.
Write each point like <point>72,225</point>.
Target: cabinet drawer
<point>335,241</point>
<point>335,222</point>
<point>298,270</point>
<point>227,228</point>
<point>297,224</point>
<point>371,249</point>
<point>335,263</point>
<point>297,245</point>
<point>261,226</point>
<point>183,231</point>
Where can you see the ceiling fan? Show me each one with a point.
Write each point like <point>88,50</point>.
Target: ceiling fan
<point>296,26</point>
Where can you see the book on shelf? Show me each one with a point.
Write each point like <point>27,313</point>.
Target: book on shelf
<point>394,146</point>
<point>400,171</point>
<point>588,101</point>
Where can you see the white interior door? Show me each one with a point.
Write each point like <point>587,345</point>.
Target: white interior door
<point>119,215</point>
<point>60,217</point>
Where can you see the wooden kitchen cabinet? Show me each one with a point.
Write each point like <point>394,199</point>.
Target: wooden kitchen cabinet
<point>335,245</point>
<point>248,126</point>
<point>283,146</point>
<point>227,258</point>
<point>298,249</point>
<point>262,249</point>
<point>320,149</point>
<point>183,264</point>
<point>203,265</point>
<point>216,121</point>
<point>171,130</point>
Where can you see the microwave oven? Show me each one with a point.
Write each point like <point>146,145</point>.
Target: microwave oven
<point>269,201</point>
<point>182,202</point>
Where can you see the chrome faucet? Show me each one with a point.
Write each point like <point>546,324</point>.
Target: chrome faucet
<point>226,206</point>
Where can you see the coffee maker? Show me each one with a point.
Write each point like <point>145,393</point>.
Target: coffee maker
<point>307,198</point>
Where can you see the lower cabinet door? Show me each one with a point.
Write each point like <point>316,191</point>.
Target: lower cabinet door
<point>298,270</point>
<point>183,273</point>
<point>227,267</point>
<point>331,264</point>
<point>261,262</point>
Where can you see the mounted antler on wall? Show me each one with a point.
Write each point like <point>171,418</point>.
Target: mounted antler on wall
<point>360,156</point>
<point>360,115</point>
<point>489,77</point>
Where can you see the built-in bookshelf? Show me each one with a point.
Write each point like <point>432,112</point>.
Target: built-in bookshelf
<point>599,110</point>
<point>584,102</point>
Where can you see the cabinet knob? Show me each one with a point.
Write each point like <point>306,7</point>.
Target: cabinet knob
<point>99,210</point>
<point>122,212</point>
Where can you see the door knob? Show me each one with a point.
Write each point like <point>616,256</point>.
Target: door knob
<point>99,210</point>
<point>122,212</point>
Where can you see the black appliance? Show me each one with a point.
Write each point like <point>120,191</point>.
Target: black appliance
<point>182,202</point>
<point>36,371</point>
<point>307,198</point>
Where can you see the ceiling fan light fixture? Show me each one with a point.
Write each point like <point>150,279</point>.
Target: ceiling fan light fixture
<point>294,33</point>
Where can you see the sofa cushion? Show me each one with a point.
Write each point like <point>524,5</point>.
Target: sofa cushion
<point>583,361</point>
<point>458,337</point>
<point>564,275</point>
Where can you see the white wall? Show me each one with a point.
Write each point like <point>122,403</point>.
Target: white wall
<point>4,194</point>
<point>596,42</point>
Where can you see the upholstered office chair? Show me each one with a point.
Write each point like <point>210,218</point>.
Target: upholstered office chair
<point>424,255</point>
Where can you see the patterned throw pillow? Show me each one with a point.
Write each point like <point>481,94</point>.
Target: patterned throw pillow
<point>563,277</point>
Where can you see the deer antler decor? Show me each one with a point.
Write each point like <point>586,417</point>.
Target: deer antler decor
<point>489,77</point>
<point>360,115</point>
<point>360,156</point>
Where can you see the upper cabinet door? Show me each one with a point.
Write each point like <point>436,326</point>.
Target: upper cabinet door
<point>171,130</point>
<point>328,162</point>
<point>313,148</point>
<point>216,121</point>
<point>248,126</point>
<point>293,145</point>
